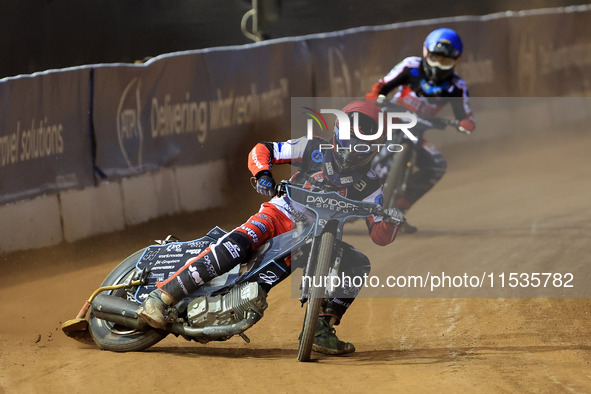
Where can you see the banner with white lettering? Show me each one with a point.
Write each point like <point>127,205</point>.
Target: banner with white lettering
<point>253,84</point>
<point>518,54</point>
<point>143,115</point>
<point>342,60</point>
<point>45,140</point>
<point>193,107</point>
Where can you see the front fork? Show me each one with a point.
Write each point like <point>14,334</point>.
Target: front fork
<point>310,269</point>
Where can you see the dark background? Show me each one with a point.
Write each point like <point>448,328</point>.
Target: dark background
<point>37,35</point>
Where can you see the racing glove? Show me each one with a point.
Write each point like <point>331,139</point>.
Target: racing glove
<point>375,91</point>
<point>394,216</point>
<point>466,126</point>
<point>265,183</point>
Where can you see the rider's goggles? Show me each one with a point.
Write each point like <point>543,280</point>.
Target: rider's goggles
<point>440,61</point>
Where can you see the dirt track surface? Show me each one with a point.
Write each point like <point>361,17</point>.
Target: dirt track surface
<point>518,201</point>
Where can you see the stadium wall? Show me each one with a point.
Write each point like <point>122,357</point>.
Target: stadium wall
<point>93,149</point>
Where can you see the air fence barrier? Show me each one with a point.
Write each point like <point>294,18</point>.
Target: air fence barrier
<point>92,149</point>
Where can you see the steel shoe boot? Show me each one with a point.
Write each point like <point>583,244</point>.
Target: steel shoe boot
<point>326,340</point>
<point>152,309</point>
<point>408,228</point>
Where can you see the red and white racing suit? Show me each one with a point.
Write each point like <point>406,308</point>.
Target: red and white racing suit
<point>276,216</point>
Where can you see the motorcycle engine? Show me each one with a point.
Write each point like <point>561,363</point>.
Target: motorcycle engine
<point>228,308</point>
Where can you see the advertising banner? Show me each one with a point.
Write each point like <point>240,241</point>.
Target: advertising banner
<point>519,54</point>
<point>193,107</point>
<point>45,144</point>
<point>143,115</point>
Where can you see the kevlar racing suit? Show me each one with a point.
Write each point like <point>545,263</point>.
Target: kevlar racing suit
<point>423,97</point>
<point>276,217</point>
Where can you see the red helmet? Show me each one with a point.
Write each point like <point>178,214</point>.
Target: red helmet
<point>354,153</point>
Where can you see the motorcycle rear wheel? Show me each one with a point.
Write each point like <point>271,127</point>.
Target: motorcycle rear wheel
<point>316,297</point>
<point>115,337</point>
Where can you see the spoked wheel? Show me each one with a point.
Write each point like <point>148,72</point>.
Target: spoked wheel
<point>316,296</point>
<point>395,183</point>
<point>115,337</point>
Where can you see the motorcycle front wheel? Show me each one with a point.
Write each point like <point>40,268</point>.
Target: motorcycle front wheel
<point>395,182</point>
<point>316,296</point>
<point>115,337</point>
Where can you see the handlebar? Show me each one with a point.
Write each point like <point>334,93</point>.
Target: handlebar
<point>281,190</point>
<point>435,122</point>
<point>376,210</point>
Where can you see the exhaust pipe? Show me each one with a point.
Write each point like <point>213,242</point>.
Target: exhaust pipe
<point>117,310</point>
<point>212,333</point>
<point>121,311</point>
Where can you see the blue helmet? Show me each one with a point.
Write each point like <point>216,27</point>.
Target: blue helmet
<point>441,50</point>
<point>444,42</point>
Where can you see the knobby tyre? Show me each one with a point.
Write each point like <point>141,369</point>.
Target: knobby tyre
<point>316,296</point>
<point>114,337</point>
<point>395,181</point>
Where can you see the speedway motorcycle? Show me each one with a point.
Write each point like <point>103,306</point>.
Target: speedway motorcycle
<point>395,168</point>
<point>229,304</point>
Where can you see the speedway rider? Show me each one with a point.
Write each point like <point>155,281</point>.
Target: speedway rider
<point>342,170</point>
<point>425,85</point>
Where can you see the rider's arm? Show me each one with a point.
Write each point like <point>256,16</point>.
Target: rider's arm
<point>380,232</point>
<point>265,154</point>
<point>387,84</point>
<point>461,107</point>
<point>398,76</point>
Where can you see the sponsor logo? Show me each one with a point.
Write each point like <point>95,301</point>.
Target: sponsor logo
<point>150,255</point>
<point>169,256</point>
<point>41,140</point>
<point>164,267</point>
<point>209,266</point>
<point>260,226</point>
<point>195,275</point>
<point>255,160</point>
<point>295,215</point>
<point>264,182</point>
<point>317,156</point>
<point>174,248</point>
<point>232,248</point>
<point>182,285</point>
<point>360,185</point>
<point>330,203</point>
<point>380,200</point>
<point>268,277</point>
<point>250,232</point>
<point>159,262</point>
<point>198,244</point>
<point>129,128</point>
<point>329,169</point>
